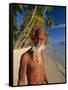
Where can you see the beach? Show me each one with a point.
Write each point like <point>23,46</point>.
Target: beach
<point>55,70</point>
<point>55,63</point>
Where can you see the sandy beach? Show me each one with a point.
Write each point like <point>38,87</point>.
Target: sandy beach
<point>54,70</point>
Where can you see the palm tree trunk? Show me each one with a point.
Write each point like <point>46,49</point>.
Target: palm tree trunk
<point>21,36</point>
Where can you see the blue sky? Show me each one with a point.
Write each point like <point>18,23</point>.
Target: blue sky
<point>19,18</point>
<point>57,33</point>
<point>58,13</point>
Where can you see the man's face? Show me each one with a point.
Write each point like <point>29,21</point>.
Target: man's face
<point>40,39</point>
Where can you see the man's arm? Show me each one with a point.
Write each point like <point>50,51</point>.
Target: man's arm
<point>22,69</point>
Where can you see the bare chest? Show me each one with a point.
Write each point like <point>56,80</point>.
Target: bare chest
<point>35,63</point>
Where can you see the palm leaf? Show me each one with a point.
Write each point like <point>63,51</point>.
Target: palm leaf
<point>51,21</point>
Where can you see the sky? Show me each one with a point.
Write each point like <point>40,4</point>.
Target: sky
<point>19,18</point>
<point>57,32</point>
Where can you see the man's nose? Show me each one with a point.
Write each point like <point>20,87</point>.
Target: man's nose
<point>39,42</point>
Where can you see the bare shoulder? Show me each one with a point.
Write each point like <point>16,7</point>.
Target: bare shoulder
<point>25,58</point>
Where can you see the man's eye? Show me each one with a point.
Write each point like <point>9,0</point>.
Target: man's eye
<point>41,39</point>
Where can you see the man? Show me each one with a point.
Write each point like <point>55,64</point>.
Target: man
<point>32,62</point>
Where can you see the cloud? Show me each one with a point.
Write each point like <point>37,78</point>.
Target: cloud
<point>58,26</point>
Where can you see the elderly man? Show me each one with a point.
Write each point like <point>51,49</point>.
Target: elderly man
<point>32,62</point>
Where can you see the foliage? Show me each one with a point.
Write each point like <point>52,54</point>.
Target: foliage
<point>34,16</point>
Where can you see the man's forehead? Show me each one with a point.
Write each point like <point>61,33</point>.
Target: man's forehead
<point>42,33</point>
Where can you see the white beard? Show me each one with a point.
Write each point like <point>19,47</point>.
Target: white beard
<point>37,53</point>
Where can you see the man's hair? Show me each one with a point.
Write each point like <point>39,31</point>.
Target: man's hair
<point>35,32</point>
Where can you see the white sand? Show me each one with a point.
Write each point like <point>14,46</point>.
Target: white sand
<point>55,72</point>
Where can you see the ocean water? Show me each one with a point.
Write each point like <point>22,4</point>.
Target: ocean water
<point>57,52</point>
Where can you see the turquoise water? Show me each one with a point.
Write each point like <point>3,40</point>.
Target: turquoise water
<point>57,52</point>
